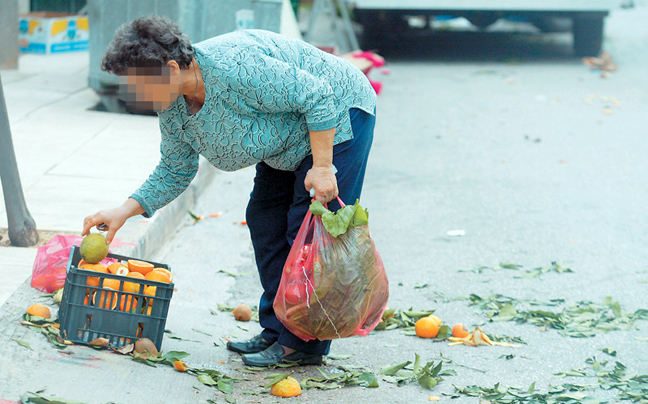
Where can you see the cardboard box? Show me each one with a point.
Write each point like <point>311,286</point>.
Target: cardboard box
<point>48,32</point>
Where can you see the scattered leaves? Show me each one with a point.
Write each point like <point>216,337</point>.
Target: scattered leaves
<point>531,273</point>
<point>48,327</point>
<point>345,377</point>
<point>630,385</point>
<point>496,268</point>
<point>393,318</point>
<point>579,320</point>
<point>539,272</point>
<point>428,376</point>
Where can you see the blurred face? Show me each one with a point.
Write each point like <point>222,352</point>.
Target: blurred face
<point>150,88</point>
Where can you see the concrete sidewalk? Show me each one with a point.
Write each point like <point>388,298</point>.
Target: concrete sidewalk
<point>74,161</point>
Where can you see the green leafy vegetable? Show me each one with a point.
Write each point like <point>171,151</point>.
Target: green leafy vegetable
<point>337,223</point>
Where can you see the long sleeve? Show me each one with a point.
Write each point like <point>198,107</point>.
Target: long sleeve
<point>178,166</point>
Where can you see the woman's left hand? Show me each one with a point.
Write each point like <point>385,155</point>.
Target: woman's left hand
<point>324,181</point>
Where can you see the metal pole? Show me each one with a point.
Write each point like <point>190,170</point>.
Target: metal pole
<point>22,228</point>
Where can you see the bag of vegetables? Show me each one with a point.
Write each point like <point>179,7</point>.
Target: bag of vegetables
<point>334,283</point>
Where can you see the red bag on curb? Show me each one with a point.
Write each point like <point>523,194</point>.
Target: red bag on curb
<point>334,283</point>
<point>50,265</point>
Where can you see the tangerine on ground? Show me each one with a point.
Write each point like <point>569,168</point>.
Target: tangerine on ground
<point>133,287</point>
<point>426,327</point>
<point>437,319</point>
<point>460,331</point>
<point>140,266</point>
<point>181,367</point>
<point>288,387</point>
<point>158,276</point>
<point>39,310</point>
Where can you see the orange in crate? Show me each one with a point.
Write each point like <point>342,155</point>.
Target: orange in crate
<point>140,266</point>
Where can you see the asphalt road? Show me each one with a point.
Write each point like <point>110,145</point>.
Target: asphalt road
<point>506,137</point>
<point>512,140</point>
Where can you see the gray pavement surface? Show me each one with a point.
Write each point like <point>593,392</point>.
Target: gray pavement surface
<point>535,157</point>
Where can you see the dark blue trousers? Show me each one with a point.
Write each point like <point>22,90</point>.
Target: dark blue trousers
<point>278,204</point>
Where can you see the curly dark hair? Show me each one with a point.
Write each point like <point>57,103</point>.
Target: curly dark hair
<point>150,42</point>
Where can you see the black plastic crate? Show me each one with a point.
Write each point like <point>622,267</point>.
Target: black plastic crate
<point>83,319</point>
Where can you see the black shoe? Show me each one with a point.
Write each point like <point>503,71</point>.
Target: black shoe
<point>273,356</point>
<point>252,345</point>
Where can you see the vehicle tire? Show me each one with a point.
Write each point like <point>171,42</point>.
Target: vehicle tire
<point>588,35</point>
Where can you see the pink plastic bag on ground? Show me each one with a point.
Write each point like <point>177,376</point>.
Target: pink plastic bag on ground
<point>332,287</point>
<point>50,265</point>
<point>48,274</point>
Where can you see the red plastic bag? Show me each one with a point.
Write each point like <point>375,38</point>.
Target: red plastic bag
<point>332,287</point>
<point>50,265</point>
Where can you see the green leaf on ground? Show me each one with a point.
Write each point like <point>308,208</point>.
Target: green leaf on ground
<point>276,378</point>
<point>22,343</point>
<point>35,398</point>
<point>344,376</point>
<point>609,351</point>
<point>428,375</point>
<point>338,357</point>
<point>202,332</point>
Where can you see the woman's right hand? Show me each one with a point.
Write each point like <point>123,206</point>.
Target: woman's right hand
<point>113,219</point>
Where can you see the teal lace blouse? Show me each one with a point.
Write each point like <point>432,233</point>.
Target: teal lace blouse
<point>263,93</point>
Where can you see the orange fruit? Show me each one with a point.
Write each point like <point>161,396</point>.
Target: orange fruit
<point>437,319</point>
<point>116,269</point>
<point>133,287</point>
<point>140,266</point>
<point>426,327</point>
<point>127,303</point>
<point>166,271</point>
<point>460,331</point>
<point>288,387</point>
<point>39,310</point>
<point>106,299</point>
<point>159,276</point>
<point>111,284</point>
<point>181,367</point>
<point>150,290</point>
<point>81,262</point>
<point>93,280</point>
